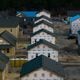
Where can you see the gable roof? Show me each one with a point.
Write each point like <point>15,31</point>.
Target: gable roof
<point>41,41</point>
<point>74,18</point>
<point>42,62</point>
<point>3,61</point>
<point>10,22</point>
<point>43,30</point>
<point>44,22</point>
<point>45,17</point>
<point>8,37</point>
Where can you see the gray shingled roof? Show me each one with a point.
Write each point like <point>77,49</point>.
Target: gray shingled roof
<point>41,41</point>
<point>9,22</point>
<point>43,22</point>
<point>42,62</point>
<point>3,61</point>
<point>8,37</point>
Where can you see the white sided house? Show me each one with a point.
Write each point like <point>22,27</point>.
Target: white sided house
<point>43,25</point>
<point>43,13</point>
<point>43,47</point>
<point>75,24</point>
<point>42,68</point>
<point>43,34</point>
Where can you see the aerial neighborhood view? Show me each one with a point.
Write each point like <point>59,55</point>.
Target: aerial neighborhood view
<point>39,43</point>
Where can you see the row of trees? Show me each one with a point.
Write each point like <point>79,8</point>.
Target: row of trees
<point>38,4</point>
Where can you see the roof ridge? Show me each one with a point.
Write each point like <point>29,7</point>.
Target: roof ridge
<point>42,62</point>
<point>44,30</point>
<point>43,22</point>
<point>45,17</point>
<point>43,42</point>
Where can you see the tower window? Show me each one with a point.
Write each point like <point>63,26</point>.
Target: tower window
<point>24,19</point>
<point>8,50</point>
<point>37,55</point>
<point>48,54</point>
<point>35,75</point>
<point>11,30</point>
<point>43,74</point>
<point>35,40</point>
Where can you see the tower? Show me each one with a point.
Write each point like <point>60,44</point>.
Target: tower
<point>43,38</point>
<point>42,52</point>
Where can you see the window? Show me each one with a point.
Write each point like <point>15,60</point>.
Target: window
<point>43,33</point>
<point>38,46</point>
<point>45,27</point>
<point>32,56</point>
<point>1,41</point>
<point>35,40</point>
<point>25,26</point>
<point>27,75</point>
<point>51,74</point>
<point>35,75</point>
<point>37,55</point>
<point>53,56</point>
<point>8,50</point>
<point>48,54</point>
<point>43,74</point>
<point>11,30</point>
<point>43,46</point>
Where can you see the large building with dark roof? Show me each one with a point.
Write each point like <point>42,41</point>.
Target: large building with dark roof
<point>11,24</point>
<point>42,68</point>
<point>42,52</point>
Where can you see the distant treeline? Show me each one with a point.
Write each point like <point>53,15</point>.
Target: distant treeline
<point>39,4</point>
